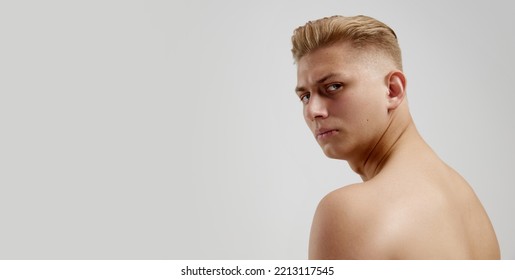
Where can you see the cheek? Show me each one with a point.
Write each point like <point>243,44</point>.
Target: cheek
<point>351,108</point>
<point>364,112</point>
<point>309,123</point>
<point>305,115</point>
<point>374,118</point>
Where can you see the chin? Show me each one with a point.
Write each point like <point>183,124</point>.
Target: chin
<point>334,154</point>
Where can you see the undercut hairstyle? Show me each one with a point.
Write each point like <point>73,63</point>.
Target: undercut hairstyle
<point>361,31</point>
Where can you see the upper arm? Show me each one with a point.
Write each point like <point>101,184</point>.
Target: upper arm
<point>346,226</point>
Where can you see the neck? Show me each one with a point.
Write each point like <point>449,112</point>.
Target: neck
<point>400,127</point>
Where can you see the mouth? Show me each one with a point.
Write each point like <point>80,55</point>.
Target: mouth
<point>325,133</point>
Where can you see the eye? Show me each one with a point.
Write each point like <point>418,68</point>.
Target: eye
<point>333,87</point>
<point>305,98</point>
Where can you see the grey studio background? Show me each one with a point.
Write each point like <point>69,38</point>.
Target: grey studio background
<point>170,129</point>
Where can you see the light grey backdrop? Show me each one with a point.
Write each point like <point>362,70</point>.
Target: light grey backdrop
<point>170,129</point>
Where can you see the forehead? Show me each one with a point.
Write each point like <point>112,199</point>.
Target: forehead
<point>340,58</point>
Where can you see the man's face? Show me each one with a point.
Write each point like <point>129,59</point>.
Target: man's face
<point>344,93</point>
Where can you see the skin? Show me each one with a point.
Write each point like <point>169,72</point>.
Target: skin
<point>410,205</point>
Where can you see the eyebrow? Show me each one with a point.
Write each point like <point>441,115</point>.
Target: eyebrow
<point>321,80</point>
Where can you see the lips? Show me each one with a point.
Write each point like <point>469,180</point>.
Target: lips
<point>322,133</point>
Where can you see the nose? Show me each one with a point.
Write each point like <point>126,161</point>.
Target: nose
<point>316,108</point>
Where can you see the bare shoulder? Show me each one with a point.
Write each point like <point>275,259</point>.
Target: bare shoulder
<point>402,219</point>
<point>348,224</point>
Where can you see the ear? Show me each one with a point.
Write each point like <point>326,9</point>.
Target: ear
<point>396,89</point>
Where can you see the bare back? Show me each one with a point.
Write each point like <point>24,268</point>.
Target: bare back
<point>416,208</point>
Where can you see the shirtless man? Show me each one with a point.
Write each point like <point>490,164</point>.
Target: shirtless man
<point>410,205</point>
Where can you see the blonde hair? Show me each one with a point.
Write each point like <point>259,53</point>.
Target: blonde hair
<point>361,31</point>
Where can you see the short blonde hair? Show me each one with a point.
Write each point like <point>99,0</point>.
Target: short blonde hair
<point>361,31</point>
